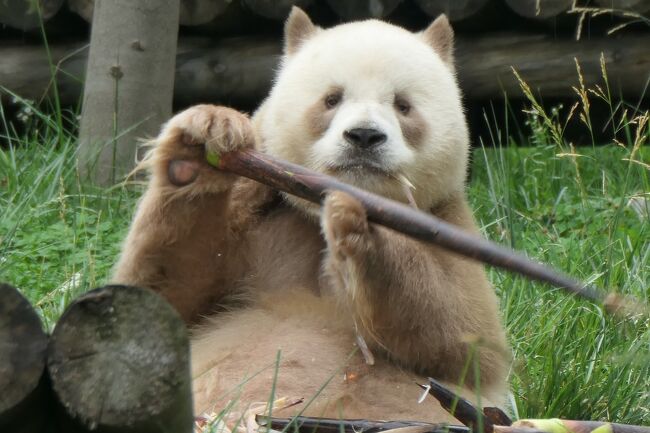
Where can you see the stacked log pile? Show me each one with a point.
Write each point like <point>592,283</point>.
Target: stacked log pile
<point>118,360</point>
<point>228,49</point>
<point>23,15</point>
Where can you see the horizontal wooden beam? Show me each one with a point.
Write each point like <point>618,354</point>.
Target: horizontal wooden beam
<point>238,71</point>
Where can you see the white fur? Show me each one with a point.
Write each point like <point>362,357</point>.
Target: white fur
<point>371,61</point>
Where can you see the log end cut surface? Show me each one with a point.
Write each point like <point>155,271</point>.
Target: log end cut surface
<point>119,356</point>
<point>22,348</point>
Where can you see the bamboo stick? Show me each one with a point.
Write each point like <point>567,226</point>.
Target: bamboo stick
<point>458,407</point>
<point>312,186</point>
<point>304,424</point>
<point>497,416</point>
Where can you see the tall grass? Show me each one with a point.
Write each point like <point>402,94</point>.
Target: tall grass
<point>568,207</point>
<point>58,237</point>
<point>563,205</point>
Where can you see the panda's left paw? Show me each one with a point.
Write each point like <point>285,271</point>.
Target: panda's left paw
<point>345,226</point>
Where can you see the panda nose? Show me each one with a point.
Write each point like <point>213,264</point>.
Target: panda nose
<point>364,138</point>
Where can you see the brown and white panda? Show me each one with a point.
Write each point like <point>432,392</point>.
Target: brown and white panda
<point>372,104</point>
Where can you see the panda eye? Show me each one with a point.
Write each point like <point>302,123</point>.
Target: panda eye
<point>402,106</point>
<point>333,99</point>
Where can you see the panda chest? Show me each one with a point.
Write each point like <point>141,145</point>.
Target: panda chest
<point>285,251</point>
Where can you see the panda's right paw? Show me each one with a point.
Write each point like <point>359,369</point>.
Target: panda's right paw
<point>191,137</point>
<point>218,129</point>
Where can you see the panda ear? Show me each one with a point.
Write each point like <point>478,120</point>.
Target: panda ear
<point>297,29</point>
<point>440,36</point>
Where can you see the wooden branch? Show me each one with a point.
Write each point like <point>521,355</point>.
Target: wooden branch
<point>24,396</point>
<point>539,9</point>
<point>238,71</point>
<point>119,361</point>
<point>458,407</point>
<point>455,10</point>
<point>313,186</point>
<point>303,424</point>
<point>497,416</point>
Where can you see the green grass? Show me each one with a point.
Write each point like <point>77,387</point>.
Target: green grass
<point>572,360</point>
<point>58,237</point>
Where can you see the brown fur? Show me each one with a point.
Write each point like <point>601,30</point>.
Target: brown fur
<point>297,29</point>
<point>284,281</point>
<point>414,127</point>
<point>441,37</point>
<point>318,117</point>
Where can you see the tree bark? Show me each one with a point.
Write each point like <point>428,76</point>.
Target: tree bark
<point>539,9</point>
<point>24,393</point>
<point>455,10</point>
<point>361,9</point>
<point>119,362</point>
<point>129,83</point>
<point>24,15</point>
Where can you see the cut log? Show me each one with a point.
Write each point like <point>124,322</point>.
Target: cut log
<point>129,83</point>
<point>197,12</point>
<point>233,72</point>
<point>360,9</point>
<point>192,12</point>
<point>84,8</point>
<point>455,10</point>
<point>25,71</point>
<point>238,72</point>
<point>484,65</point>
<point>638,6</point>
<point>497,416</point>
<point>539,9</point>
<point>275,9</point>
<point>118,360</point>
<point>26,15</point>
<point>24,392</point>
